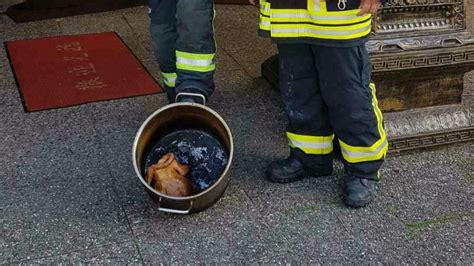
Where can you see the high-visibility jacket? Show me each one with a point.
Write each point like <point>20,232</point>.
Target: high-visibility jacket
<point>325,20</point>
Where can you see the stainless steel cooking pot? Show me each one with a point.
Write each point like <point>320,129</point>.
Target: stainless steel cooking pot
<point>174,117</point>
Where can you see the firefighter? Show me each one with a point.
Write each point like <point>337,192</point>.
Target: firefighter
<point>327,92</point>
<point>182,35</point>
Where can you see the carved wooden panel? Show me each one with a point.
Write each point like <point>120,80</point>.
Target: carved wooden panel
<point>415,17</point>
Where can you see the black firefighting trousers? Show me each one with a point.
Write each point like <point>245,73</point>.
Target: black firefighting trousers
<point>183,42</point>
<point>328,97</point>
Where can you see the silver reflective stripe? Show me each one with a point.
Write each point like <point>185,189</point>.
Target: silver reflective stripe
<point>320,32</point>
<point>169,80</point>
<point>313,17</point>
<point>311,145</point>
<point>352,154</point>
<point>317,5</point>
<point>194,62</point>
<point>265,23</point>
<point>265,9</point>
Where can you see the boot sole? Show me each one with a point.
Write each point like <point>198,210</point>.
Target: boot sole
<point>295,178</point>
<point>285,180</point>
<point>358,204</point>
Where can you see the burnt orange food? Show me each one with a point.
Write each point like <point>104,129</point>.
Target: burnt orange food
<point>168,176</point>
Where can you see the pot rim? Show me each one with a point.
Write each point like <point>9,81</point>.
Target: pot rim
<point>169,106</point>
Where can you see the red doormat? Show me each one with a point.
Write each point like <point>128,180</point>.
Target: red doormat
<point>63,71</point>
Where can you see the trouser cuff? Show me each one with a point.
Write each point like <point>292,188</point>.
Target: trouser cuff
<point>312,161</point>
<point>366,175</point>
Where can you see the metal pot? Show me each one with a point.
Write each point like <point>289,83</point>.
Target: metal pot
<point>179,116</point>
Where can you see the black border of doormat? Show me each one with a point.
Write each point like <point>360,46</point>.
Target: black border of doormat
<point>23,102</point>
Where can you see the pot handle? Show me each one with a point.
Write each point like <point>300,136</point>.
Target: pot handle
<point>173,210</point>
<point>203,98</point>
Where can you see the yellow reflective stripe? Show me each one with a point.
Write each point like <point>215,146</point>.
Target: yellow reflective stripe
<point>339,33</point>
<point>195,62</point>
<point>323,5</point>
<point>319,19</point>
<point>264,23</point>
<point>169,75</point>
<point>294,23</point>
<point>195,56</point>
<point>307,138</point>
<point>311,144</point>
<point>305,17</point>
<point>359,156</point>
<point>356,149</point>
<point>265,8</point>
<point>320,36</point>
<point>264,26</point>
<point>323,28</point>
<point>322,13</point>
<point>169,79</point>
<point>375,105</point>
<point>378,150</point>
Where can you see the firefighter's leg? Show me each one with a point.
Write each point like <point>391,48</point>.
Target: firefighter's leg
<point>309,133</point>
<point>353,109</point>
<point>164,35</point>
<point>195,47</point>
<point>355,117</point>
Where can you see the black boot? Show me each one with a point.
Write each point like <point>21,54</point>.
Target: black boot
<point>291,169</point>
<point>171,94</point>
<point>358,192</point>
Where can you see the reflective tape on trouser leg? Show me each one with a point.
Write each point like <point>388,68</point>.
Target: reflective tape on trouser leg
<point>169,79</point>
<point>355,154</point>
<point>195,62</point>
<point>311,144</point>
